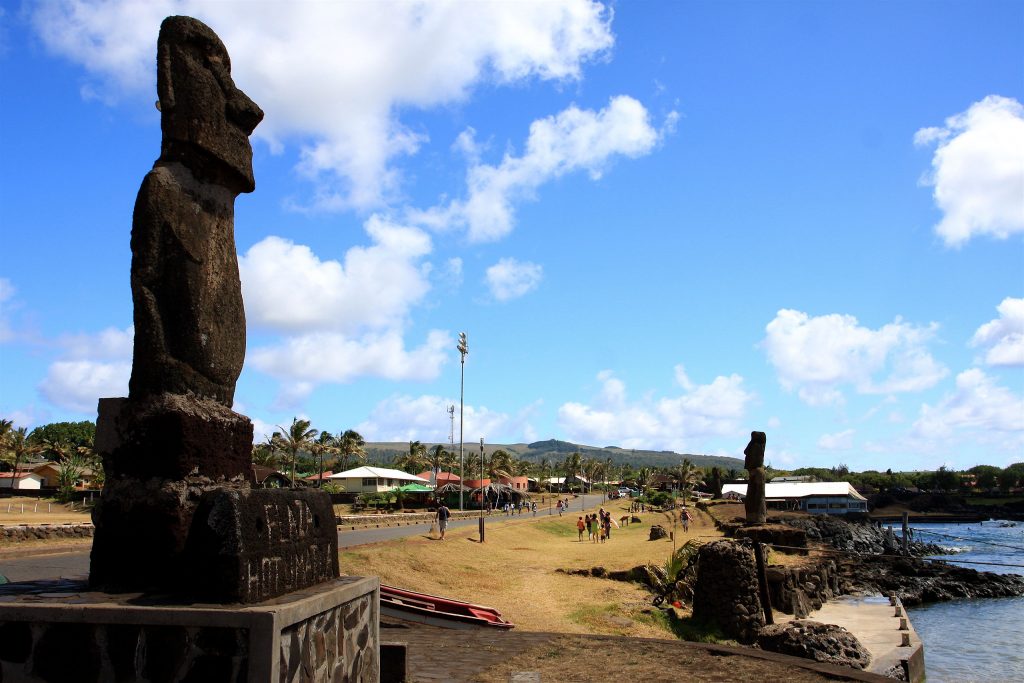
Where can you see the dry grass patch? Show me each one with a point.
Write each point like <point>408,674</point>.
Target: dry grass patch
<point>514,571</point>
<point>25,510</point>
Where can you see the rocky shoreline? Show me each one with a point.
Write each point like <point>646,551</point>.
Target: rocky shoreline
<point>879,566</point>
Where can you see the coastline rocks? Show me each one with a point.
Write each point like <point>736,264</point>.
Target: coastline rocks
<point>800,590</point>
<point>917,581</point>
<point>824,643</point>
<point>858,535</point>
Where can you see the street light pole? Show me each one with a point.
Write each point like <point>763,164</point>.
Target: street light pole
<point>481,489</point>
<point>463,350</point>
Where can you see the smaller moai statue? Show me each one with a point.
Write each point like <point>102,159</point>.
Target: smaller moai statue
<point>754,462</point>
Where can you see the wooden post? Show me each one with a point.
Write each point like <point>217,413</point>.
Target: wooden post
<point>762,582</point>
<point>906,534</point>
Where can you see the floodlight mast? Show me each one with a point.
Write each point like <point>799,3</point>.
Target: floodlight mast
<point>463,348</point>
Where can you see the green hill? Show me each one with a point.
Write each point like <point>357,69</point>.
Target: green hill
<point>555,451</point>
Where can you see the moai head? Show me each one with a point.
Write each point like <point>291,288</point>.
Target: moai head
<point>206,120</point>
<point>754,451</point>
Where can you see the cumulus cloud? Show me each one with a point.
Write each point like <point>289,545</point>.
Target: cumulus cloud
<point>817,356</point>
<point>701,411</point>
<point>93,366</point>
<point>309,359</point>
<point>288,288</point>
<point>425,418</point>
<point>573,140</point>
<point>511,279</point>
<point>978,170</point>
<point>841,441</point>
<point>1004,336</point>
<point>977,404</point>
<point>333,76</point>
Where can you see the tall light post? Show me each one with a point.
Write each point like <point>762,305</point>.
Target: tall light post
<point>481,489</point>
<point>463,350</point>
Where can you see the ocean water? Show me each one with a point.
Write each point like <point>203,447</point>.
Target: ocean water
<point>974,641</point>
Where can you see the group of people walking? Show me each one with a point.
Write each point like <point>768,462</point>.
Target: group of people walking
<point>598,526</point>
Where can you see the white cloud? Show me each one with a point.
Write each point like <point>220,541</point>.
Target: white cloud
<point>511,279</point>
<point>978,404</point>
<point>6,295</point>
<point>978,170</point>
<point>333,76</point>
<point>669,423</point>
<point>288,288</point>
<point>425,418</point>
<point>573,140</point>
<point>93,366</point>
<point>841,441</point>
<point>816,356</point>
<point>318,357</point>
<point>1004,336</point>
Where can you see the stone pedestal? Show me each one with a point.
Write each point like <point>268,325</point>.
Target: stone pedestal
<point>327,632</point>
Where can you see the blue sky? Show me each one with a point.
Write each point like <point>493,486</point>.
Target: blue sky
<point>661,224</point>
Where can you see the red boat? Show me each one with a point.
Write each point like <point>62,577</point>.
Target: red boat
<point>437,611</point>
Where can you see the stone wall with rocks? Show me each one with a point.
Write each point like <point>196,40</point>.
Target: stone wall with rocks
<point>800,590</point>
<point>332,645</point>
<point>24,532</point>
<point>726,594</point>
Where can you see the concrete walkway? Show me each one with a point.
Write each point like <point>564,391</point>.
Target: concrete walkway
<point>877,625</point>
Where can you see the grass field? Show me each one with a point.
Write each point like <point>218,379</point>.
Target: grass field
<point>25,510</point>
<point>515,571</point>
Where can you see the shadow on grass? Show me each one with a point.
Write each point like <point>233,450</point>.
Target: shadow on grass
<point>688,628</point>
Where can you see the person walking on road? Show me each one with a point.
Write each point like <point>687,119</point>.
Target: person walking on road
<point>685,519</point>
<point>443,513</point>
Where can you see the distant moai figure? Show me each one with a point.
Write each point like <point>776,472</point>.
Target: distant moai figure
<point>189,319</point>
<point>754,463</point>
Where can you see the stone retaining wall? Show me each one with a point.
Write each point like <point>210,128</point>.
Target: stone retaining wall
<point>400,518</point>
<point>24,532</point>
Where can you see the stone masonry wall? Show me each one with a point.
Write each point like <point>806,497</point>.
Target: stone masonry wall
<point>726,594</point>
<point>45,531</point>
<point>336,645</point>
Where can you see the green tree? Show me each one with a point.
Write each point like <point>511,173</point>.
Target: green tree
<point>572,466</point>
<point>297,437</point>
<point>985,476</point>
<point>73,433</point>
<point>946,479</point>
<point>688,476</point>
<point>320,447</point>
<point>350,446</point>
<point>501,465</point>
<point>716,482</point>
<point>414,461</point>
<point>19,446</point>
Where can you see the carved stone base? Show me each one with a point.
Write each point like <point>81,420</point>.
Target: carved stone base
<point>251,545</point>
<point>141,530</point>
<point>329,632</point>
<point>173,436</point>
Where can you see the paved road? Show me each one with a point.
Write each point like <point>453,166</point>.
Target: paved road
<point>75,563</point>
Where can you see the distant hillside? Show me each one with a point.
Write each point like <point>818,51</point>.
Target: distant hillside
<point>556,451</point>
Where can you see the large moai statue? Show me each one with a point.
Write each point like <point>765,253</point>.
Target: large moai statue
<point>754,463</point>
<point>175,442</point>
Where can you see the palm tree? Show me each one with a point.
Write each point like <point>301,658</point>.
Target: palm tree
<point>413,461</point>
<point>543,472</point>
<point>643,478</point>
<point>323,444</point>
<point>572,465</point>
<point>688,476</point>
<point>350,445</point>
<point>297,437</point>
<point>439,458</point>
<point>17,443</point>
<point>502,464</point>
<point>265,453</point>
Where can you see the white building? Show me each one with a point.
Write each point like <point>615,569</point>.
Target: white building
<point>26,480</point>
<point>368,479</point>
<point>819,497</point>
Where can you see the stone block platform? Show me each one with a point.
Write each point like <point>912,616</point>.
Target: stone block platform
<point>60,631</point>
